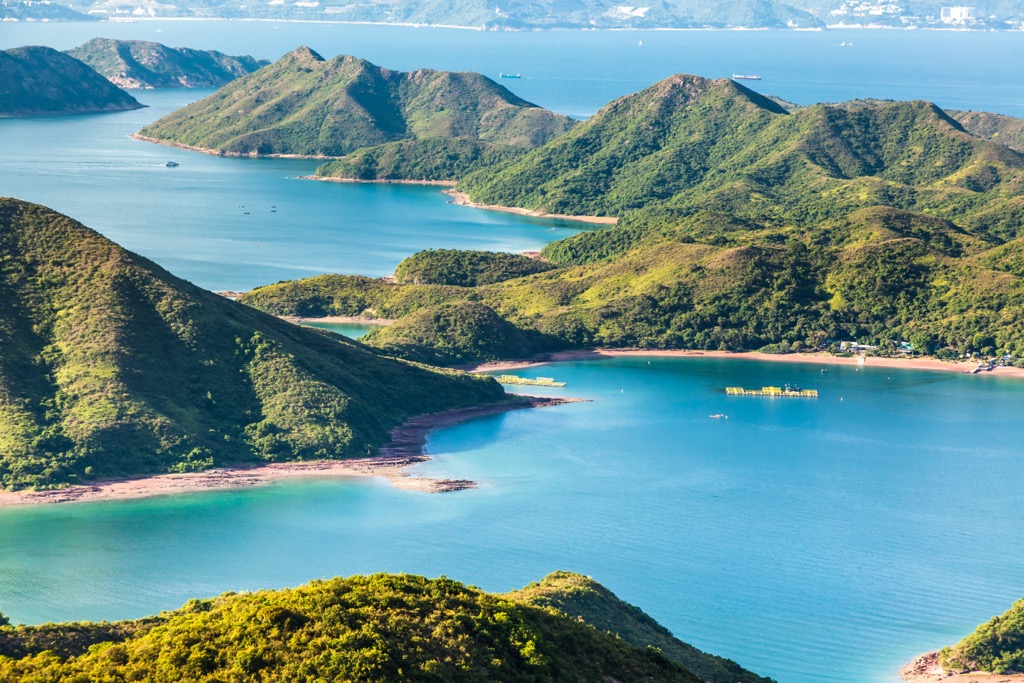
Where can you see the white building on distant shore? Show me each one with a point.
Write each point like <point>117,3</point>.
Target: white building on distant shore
<point>957,15</point>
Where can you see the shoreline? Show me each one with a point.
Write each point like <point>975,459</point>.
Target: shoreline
<point>462,199</point>
<point>218,153</point>
<point>926,669</point>
<point>378,181</point>
<point>405,448</point>
<point>818,358</point>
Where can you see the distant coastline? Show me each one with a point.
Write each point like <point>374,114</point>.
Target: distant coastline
<point>462,199</point>
<point>814,358</point>
<point>404,449</point>
<point>459,27</point>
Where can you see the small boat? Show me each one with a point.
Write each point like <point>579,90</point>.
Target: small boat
<point>171,164</point>
<point>640,44</point>
<point>745,77</point>
<point>504,75</point>
<point>719,416</point>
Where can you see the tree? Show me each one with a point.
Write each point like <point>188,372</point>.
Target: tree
<point>4,621</point>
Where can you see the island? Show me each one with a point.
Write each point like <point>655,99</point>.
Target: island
<point>383,627</point>
<point>39,81</point>
<point>421,125</point>
<point>140,64</point>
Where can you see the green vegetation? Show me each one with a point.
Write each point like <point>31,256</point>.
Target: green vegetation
<point>112,366</point>
<point>583,598</point>
<point>1006,130</point>
<point>996,646</point>
<point>742,226</point>
<point>142,64</point>
<point>466,268</point>
<point>419,159</point>
<point>457,333</point>
<point>304,104</point>
<point>367,628</point>
<point>39,80</point>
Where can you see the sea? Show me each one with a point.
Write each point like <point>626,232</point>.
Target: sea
<point>825,540</point>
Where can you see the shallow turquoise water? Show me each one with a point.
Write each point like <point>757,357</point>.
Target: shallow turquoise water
<point>350,330</point>
<point>812,540</point>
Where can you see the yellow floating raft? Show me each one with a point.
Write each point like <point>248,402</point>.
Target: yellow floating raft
<point>539,382</point>
<point>773,392</point>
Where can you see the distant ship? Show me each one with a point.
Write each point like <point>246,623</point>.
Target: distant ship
<point>742,77</point>
<point>171,164</point>
<point>510,76</point>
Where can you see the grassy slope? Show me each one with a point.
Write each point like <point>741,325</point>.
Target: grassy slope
<point>374,628</point>
<point>40,80</point>
<point>1005,130</point>
<point>582,597</point>
<point>142,64</point>
<point>744,226</point>
<point>303,104</point>
<point>112,366</point>
<point>996,646</point>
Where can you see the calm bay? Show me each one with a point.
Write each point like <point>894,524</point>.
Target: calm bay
<point>826,540</point>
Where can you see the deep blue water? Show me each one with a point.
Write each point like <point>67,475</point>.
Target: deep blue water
<point>824,540</point>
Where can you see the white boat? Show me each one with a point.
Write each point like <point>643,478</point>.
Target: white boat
<point>745,77</point>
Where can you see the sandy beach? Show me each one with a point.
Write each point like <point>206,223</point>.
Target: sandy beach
<point>405,448</point>
<point>816,358</point>
<point>379,181</point>
<point>462,199</point>
<point>926,669</point>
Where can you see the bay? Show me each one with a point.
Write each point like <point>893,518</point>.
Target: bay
<point>826,540</point>
<point>812,540</point>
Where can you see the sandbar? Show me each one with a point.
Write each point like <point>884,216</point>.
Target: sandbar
<point>816,358</point>
<point>926,669</point>
<point>405,448</point>
<point>462,199</point>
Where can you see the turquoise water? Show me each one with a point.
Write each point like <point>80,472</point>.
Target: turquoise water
<point>824,540</point>
<point>813,540</point>
<point>235,224</point>
<point>350,330</point>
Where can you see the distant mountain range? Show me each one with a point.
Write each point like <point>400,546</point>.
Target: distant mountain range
<point>519,14</point>
<point>40,80</point>
<point>40,10</point>
<point>138,64</point>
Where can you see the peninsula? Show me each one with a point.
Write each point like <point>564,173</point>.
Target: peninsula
<point>38,81</point>
<point>113,367</point>
<point>740,226</point>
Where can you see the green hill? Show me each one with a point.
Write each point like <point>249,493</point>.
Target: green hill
<point>383,627</point>
<point>303,104</point>
<point>744,226</point>
<point>35,81</point>
<point>142,64</point>
<point>1005,130</point>
<point>112,366</point>
<point>583,598</point>
<point>996,646</point>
